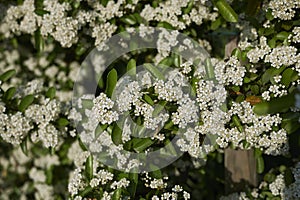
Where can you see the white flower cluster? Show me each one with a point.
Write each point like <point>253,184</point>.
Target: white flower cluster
<point>14,127</point>
<point>257,131</point>
<point>102,109</point>
<point>57,22</point>
<point>42,115</point>
<point>230,72</point>
<point>277,186</point>
<point>259,52</point>
<point>284,9</point>
<point>186,112</point>
<point>171,12</point>
<point>275,91</point>
<point>296,34</point>
<point>282,55</point>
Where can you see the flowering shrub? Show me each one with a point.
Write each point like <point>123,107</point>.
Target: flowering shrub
<point>85,118</point>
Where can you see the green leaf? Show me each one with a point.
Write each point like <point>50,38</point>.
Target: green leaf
<point>288,76</point>
<point>226,11</point>
<point>51,92</point>
<point>9,93</point>
<point>142,144</point>
<point>237,52</point>
<point>209,69</point>
<point>117,194</point>
<point>134,177</point>
<point>25,102</point>
<point>177,60</point>
<point>154,71</point>
<point>156,172</point>
<point>7,75</point>
<point>216,23</point>
<point>62,122</point>
<point>131,67</point>
<point>165,25</point>
<point>237,123</point>
<point>86,191</point>
<point>148,99</point>
<point>49,175</point>
<point>260,165</point>
<point>275,105</point>
<point>130,19</point>
<point>83,147</point>
<point>39,41</point>
<point>89,167</point>
<point>24,147</point>
<point>116,134</point>
<point>41,12</point>
<point>112,79</point>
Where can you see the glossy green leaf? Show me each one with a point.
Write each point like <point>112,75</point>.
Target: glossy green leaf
<point>7,75</point>
<point>112,79</point>
<point>131,67</point>
<point>226,11</point>
<point>25,102</point>
<point>89,167</point>
<point>142,144</point>
<point>260,165</point>
<point>39,41</point>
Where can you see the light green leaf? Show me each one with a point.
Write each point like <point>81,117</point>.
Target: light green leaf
<point>226,11</point>
<point>131,67</point>
<point>154,71</point>
<point>260,165</point>
<point>51,92</point>
<point>112,79</point>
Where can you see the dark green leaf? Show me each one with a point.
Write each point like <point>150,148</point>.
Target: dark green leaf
<point>25,102</point>
<point>9,93</point>
<point>89,167</point>
<point>7,75</point>
<point>116,134</point>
